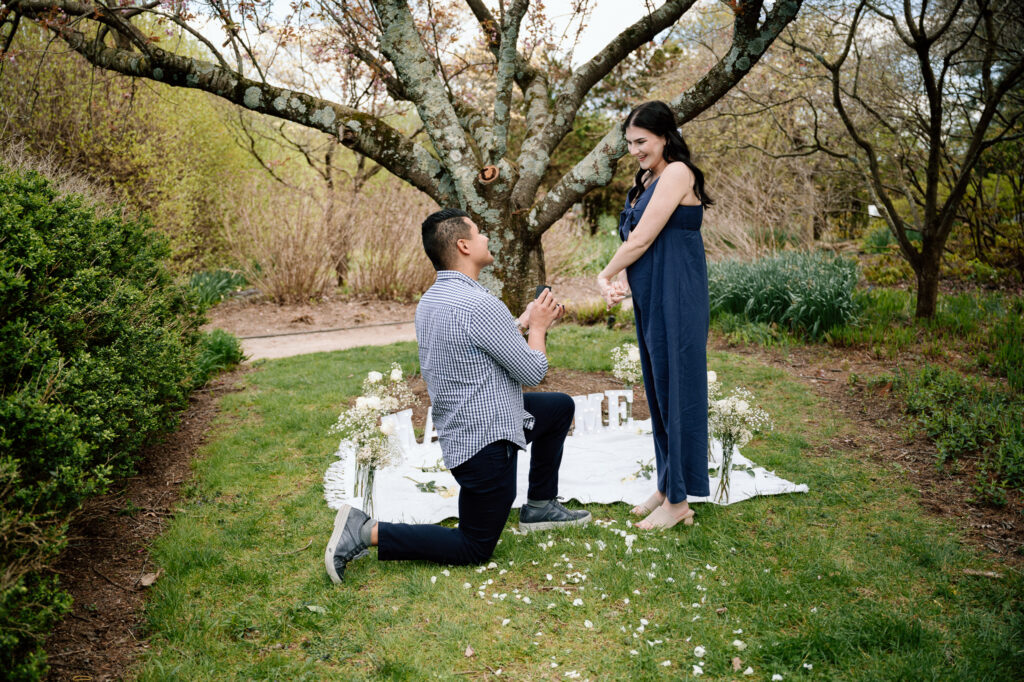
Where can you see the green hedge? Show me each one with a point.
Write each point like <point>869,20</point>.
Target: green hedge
<point>98,347</point>
<point>807,293</point>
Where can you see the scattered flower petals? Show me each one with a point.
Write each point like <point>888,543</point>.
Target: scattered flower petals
<point>698,651</point>
<point>809,666</point>
<point>739,644</point>
<point>697,671</point>
<point>587,624</point>
<point>433,579</point>
<point>776,677</point>
<point>748,671</point>
<point>577,602</point>
<point>505,621</point>
<point>666,663</point>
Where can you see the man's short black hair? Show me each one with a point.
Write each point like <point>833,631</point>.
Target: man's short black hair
<point>440,232</point>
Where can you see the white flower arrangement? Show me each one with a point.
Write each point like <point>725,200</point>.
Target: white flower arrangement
<point>626,364</point>
<point>372,439</point>
<point>733,420</point>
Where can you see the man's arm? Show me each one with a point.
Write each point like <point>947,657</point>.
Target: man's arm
<point>493,330</point>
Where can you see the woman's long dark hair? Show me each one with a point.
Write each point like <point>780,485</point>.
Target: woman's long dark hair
<point>658,118</point>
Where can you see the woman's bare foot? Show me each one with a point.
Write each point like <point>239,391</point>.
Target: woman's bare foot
<point>649,505</point>
<point>667,515</point>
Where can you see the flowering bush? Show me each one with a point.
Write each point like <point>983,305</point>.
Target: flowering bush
<point>626,364</point>
<point>733,420</point>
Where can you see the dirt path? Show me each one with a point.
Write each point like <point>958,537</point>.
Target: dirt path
<point>271,331</point>
<point>318,341</point>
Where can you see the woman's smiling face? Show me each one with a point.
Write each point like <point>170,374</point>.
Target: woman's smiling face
<point>647,147</point>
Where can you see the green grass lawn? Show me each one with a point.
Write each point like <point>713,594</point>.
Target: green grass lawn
<point>851,581</point>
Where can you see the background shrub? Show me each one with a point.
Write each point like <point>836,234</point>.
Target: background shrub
<point>211,286</point>
<point>219,351</point>
<point>97,354</point>
<point>809,293</point>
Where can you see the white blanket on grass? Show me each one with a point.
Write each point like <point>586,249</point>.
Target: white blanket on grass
<point>600,464</point>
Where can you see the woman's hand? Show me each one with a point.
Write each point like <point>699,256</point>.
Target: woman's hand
<point>612,292</point>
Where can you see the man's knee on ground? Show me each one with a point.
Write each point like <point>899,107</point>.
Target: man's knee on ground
<point>477,552</point>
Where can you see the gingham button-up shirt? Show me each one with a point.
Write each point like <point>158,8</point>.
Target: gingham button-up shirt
<point>475,363</point>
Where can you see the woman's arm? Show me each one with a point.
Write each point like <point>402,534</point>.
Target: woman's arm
<point>674,184</point>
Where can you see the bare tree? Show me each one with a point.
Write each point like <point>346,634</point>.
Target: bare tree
<point>919,88</point>
<point>467,160</point>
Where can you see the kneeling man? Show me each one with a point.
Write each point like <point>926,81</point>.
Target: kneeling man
<point>475,362</point>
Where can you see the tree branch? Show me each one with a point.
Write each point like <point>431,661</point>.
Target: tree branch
<point>507,55</point>
<point>360,131</point>
<point>538,147</point>
<point>402,46</point>
<point>596,169</point>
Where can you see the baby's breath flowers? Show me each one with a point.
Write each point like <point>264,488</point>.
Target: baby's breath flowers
<point>626,364</point>
<point>733,420</point>
<point>626,368</point>
<point>372,439</point>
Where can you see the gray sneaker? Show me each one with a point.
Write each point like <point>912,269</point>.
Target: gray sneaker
<point>345,545</point>
<point>551,515</point>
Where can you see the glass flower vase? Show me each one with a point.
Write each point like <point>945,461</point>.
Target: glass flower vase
<point>365,475</point>
<point>725,469</point>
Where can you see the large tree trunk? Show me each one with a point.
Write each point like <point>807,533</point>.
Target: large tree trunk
<point>518,257</point>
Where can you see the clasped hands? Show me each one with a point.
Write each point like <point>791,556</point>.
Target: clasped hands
<point>611,292</point>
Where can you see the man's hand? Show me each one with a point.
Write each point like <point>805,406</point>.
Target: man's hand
<point>523,321</point>
<point>543,311</point>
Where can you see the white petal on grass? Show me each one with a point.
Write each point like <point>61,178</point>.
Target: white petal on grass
<point>666,663</point>
<point>776,677</point>
<point>748,671</point>
<point>505,621</point>
<point>739,644</point>
<point>587,624</point>
<point>699,651</point>
<point>697,671</point>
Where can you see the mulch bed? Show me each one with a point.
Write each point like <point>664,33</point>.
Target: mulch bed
<point>106,562</point>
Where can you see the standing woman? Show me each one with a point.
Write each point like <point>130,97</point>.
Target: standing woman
<point>663,255</point>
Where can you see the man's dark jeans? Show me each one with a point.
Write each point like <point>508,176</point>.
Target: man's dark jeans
<point>488,489</point>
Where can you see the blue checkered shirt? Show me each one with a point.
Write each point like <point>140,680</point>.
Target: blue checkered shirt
<point>475,363</point>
